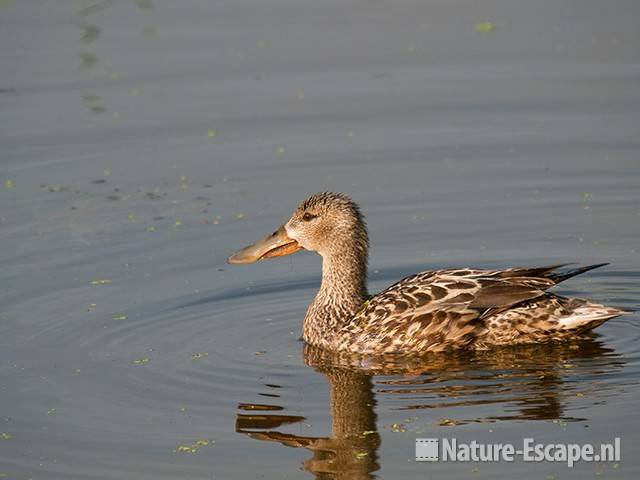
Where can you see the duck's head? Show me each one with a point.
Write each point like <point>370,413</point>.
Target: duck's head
<point>326,222</point>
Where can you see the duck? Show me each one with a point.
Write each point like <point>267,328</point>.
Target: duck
<point>430,311</point>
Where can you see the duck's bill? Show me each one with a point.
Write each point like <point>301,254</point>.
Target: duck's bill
<point>278,244</point>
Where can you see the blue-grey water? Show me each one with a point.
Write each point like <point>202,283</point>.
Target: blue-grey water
<point>141,142</point>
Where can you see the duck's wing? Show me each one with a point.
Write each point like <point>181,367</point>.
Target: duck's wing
<point>437,309</point>
<point>448,290</point>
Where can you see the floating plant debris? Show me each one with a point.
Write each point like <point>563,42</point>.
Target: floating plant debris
<point>485,27</point>
<point>398,428</point>
<point>193,447</point>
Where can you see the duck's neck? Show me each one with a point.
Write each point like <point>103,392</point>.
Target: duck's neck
<point>342,292</point>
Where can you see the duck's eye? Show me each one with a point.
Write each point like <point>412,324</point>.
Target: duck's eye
<point>307,217</point>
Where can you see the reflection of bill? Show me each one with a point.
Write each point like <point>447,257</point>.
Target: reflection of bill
<point>426,449</point>
<point>351,452</point>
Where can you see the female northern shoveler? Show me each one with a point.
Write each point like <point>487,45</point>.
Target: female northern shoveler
<point>429,311</point>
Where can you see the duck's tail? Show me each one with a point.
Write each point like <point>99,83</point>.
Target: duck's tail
<point>585,315</point>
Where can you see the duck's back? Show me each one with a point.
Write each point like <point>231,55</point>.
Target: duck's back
<point>470,308</point>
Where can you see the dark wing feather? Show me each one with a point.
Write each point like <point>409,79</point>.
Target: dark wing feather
<point>535,272</point>
<point>505,292</point>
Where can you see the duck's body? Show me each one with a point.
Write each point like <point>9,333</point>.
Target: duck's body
<point>429,311</point>
<point>465,308</point>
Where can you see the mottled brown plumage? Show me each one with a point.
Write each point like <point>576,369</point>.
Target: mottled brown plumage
<point>430,311</point>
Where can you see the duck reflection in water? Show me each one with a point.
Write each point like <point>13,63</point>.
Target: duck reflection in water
<point>532,382</point>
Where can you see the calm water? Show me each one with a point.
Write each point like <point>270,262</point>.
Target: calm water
<point>143,141</point>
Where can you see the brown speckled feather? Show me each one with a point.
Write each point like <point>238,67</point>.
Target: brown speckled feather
<point>466,308</point>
